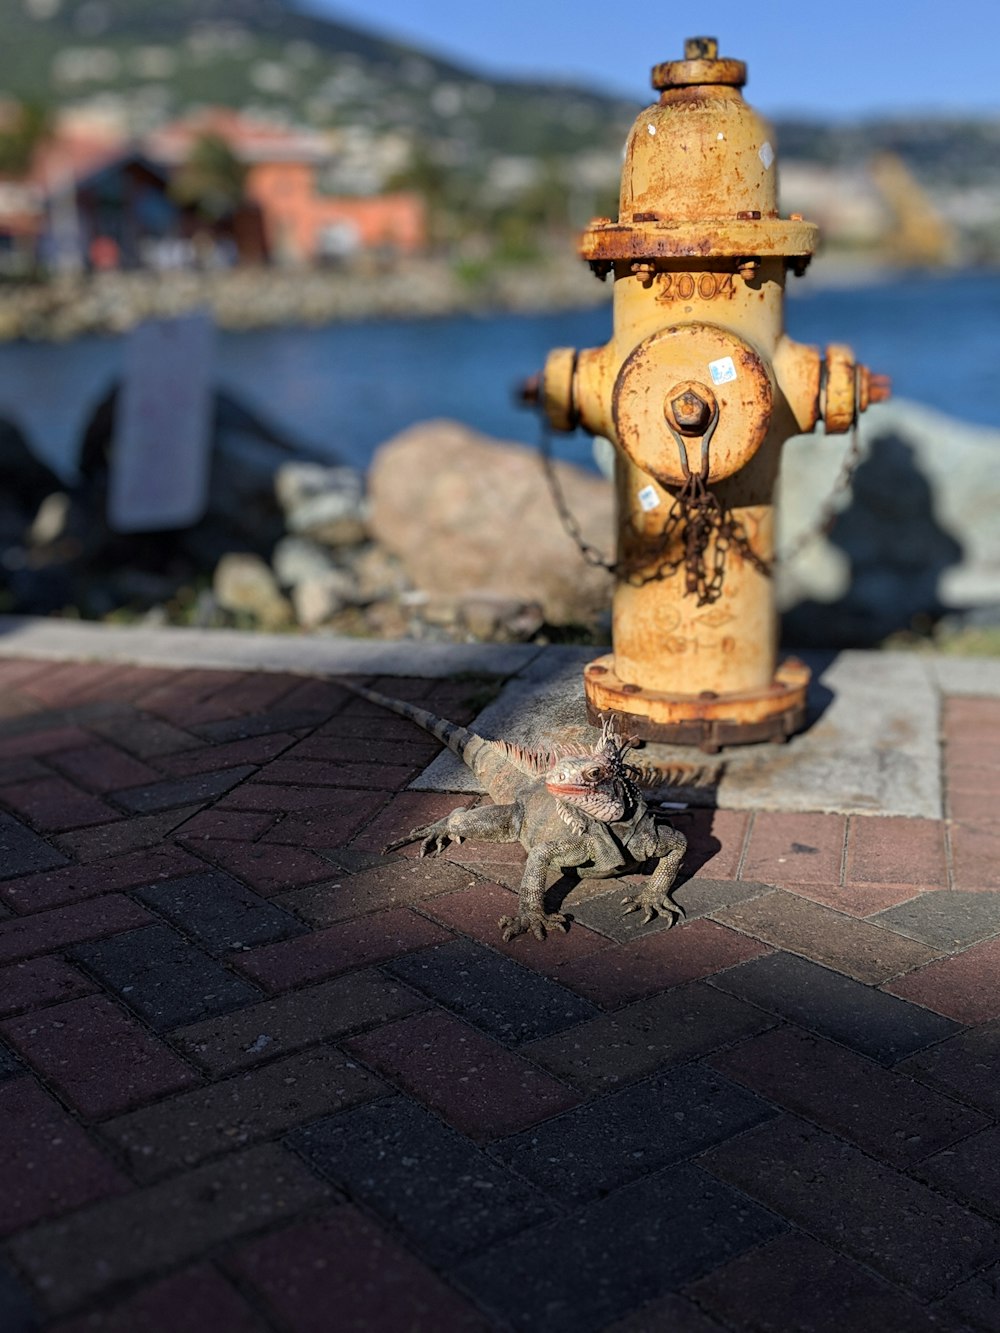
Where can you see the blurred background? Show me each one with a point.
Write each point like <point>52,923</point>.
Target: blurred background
<point>362,216</point>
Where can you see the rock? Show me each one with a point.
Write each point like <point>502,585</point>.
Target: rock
<point>51,521</point>
<point>296,559</point>
<point>465,514</point>
<point>377,573</point>
<point>319,598</point>
<point>326,504</point>
<point>918,533</point>
<point>497,619</point>
<point>243,583</point>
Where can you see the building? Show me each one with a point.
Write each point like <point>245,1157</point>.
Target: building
<point>302,224</point>
<point>93,199</point>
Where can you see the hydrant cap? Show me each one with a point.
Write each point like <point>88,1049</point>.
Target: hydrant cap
<point>701,65</point>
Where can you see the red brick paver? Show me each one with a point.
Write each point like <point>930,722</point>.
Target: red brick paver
<point>339,948</point>
<point>98,1057</point>
<point>896,851</point>
<point>963,987</point>
<point>374,1283</point>
<point>47,1162</point>
<point>473,1082</point>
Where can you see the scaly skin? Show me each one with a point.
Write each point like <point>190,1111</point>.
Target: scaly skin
<point>573,809</point>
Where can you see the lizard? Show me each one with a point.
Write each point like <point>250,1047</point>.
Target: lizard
<point>573,807</point>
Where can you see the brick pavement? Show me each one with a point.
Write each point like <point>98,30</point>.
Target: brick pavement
<point>255,1076</point>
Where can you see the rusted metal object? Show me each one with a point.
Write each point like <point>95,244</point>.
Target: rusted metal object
<point>698,388</point>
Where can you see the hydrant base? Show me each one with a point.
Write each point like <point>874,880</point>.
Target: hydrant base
<point>706,720</point>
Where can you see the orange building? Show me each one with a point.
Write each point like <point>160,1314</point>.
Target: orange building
<point>301,223</point>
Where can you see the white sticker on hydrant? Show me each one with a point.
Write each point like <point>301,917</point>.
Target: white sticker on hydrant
<point>766,154</point>
<point>648,499</point>
<point>722,371</point>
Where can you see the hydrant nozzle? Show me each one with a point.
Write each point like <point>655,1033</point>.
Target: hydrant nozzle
<point>700,256</point>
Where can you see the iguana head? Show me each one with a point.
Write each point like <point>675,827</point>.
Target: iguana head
<point>597,782</point>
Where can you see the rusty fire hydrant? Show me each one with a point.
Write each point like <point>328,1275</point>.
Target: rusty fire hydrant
<point>698,389</point>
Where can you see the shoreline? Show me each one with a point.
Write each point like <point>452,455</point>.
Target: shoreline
<point>72,306</point>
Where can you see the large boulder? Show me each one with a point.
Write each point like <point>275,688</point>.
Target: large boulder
<point>468,515</point>
<point>918,532</point>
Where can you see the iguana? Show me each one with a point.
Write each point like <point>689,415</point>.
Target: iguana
<point>572,807</point>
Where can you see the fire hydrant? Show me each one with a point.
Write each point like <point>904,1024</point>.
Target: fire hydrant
<point>698,389</point>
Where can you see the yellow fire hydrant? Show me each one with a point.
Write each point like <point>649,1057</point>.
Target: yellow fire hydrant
<point>698,389</point>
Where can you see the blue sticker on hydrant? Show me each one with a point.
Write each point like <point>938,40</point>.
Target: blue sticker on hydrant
<point>722,371</point>
<point>648,498</point>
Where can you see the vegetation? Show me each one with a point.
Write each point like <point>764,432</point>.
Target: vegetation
<point>212,180</point>
<point>27,126</point>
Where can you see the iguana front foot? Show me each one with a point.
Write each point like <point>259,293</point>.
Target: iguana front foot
<point>537,922</point>
<point>433,839</point>
<point>659,905</point>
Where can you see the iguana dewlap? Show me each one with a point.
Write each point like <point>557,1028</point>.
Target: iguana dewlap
<point>571,808</point>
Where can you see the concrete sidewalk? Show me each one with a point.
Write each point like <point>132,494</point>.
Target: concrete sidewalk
<point>254,1075</point>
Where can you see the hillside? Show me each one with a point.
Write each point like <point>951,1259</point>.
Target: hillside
<point>152,60</point>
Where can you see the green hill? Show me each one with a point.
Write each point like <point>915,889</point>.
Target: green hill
<point>156,58</point>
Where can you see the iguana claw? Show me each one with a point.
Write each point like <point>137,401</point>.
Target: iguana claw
<point>537,922</point>
<point>665,906</point>
<point>435,844</point>
<point>433,840</point>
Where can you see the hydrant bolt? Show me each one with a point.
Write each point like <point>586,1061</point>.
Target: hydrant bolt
<point>690,412</point>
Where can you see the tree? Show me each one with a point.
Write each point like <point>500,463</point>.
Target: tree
<point>212,180</point>
<point>21,135</point>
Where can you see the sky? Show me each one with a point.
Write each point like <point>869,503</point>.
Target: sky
<point>843,59</point>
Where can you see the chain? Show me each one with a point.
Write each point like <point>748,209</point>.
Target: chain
<point>706,530</point>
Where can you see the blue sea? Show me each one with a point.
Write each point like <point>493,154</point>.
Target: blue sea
<point>344,388</point>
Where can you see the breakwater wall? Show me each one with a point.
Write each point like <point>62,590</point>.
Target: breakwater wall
<point>247,298</point>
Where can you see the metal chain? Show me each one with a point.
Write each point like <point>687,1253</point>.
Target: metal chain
<point>701,522</point>
<point>695,520</point>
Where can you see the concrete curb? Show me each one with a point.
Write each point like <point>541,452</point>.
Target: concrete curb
<point>241,650</point>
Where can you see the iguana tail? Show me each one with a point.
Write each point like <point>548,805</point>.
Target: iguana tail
<point>460,740</point>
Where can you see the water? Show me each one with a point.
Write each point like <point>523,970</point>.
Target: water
<point>345,388</point>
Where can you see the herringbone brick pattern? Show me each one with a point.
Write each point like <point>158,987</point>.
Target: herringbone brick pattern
<point>256,1076</point>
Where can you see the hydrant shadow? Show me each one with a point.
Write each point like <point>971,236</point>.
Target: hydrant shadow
<point>897,551</point>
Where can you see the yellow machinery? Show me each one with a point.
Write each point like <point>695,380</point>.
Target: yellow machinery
<point>698,388</point>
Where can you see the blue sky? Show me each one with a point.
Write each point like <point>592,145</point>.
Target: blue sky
<point>840,58</point>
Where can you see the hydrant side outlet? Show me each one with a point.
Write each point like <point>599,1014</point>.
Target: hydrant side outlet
<point>698,388</point>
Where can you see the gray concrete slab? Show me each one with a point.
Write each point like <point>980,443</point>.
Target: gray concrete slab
<point>872,747</point>
<point>974,676</point>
